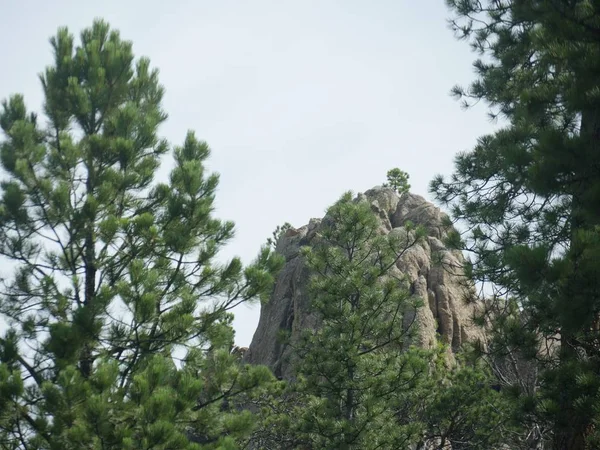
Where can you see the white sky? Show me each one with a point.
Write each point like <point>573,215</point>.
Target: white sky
<point>299,100</point>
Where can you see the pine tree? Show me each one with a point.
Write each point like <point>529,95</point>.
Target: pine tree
<point>358,383</point>
<point>529,195</point>
<point>352,373</point>
<point>398,180</point>
<point>460,408</point>
<point>114,273</point>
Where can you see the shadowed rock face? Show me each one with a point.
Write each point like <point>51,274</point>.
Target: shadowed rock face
<point>434,273</point>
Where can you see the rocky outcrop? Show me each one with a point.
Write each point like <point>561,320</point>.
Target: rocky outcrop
<point>433,271</point>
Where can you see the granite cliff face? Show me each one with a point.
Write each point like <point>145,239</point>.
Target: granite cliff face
<point>434,273</point>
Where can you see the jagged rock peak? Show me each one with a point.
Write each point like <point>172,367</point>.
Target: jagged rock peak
<point>434,273</point>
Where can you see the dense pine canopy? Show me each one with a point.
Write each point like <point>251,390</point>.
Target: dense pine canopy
<point>114,273</point>
<point>529,196</point>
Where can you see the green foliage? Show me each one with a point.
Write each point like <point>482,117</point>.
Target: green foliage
<point>528,195</point>
<point>358,382</point>
<point>346,365</point>
<point>352,378</point>
<point>398,180</point>
<point>115,273</point>
<point>277,233</point>
<point>458,406</point>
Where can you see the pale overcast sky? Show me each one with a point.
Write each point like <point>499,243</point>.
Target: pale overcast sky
<point>299,100</point>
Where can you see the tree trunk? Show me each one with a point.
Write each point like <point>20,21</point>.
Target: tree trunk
<point>86,358</point>
<point>571,429</point>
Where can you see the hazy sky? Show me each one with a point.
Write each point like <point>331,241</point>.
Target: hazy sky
<point>299,100</point>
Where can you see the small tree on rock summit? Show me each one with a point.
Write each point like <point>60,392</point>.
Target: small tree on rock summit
<point>398,180</point>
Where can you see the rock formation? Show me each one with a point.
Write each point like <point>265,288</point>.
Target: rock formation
<point>434,273</point>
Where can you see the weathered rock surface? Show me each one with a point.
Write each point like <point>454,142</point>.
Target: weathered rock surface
<point>434,273</point>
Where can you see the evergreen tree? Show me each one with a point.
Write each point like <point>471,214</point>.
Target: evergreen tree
<point>114,273</point>
<point>352,365</point>
<point>277,233</point>
<point>358,384</point>
<point>459,408</point>
<point>529,195</point>
<point>398,180</point>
